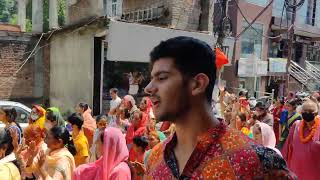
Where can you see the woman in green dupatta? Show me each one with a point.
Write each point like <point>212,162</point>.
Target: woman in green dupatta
<point>54,118</point>
<point>290,117</point>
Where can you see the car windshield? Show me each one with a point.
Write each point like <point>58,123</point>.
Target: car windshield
<point>22,115</point>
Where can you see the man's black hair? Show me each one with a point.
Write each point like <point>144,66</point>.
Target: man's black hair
<point>76,119</point>
<point>191,57</point>
<point>261,105</point>
<point>114,90</point>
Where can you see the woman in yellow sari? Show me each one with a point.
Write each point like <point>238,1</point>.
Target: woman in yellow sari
<point>38,116</point>
<point>58,162</point>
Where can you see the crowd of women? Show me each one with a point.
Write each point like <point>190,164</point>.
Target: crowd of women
<point>290,126</point>
<point>117,145</point>
<point>111,146</point>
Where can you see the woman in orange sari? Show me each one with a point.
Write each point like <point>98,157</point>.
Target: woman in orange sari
<point>34,139</point>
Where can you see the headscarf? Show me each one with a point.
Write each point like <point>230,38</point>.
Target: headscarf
<point>57,116</point>
<point>113,162</point>
<point>149,106</point>
<point>268,137</point>
<point>42,116</point>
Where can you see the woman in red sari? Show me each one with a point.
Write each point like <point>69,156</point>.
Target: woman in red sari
<point>137,128</point>
<point>276,116</point>
<point>146,105</point>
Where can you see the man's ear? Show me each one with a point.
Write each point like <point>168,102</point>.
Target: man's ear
<point>199,84</point>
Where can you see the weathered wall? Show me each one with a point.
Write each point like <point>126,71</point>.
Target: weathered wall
<point>185,14</point>
<point>180,14</point>
<point>71,68</point>
<point>84,9</point>
<point>14,48</point>
<point>164,21</point>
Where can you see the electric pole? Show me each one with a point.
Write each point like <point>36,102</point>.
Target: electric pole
<point>290,45</point>
<point>222,24</point>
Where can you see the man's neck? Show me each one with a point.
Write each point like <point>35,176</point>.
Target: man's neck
<point>188,128</point>
<point>194,123</point>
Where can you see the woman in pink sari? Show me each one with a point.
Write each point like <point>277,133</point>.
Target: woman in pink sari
<point>302,147</point>
<point>264,135</point>
<point>112,165</point>
<point>89,123</point>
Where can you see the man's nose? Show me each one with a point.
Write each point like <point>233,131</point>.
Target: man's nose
<point>150,88</point>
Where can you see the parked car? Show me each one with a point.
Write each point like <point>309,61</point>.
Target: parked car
<point>23,112</point>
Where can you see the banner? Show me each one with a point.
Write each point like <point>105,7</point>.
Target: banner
<point>277,65</point>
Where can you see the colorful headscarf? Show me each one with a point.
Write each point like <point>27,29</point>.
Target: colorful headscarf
<point>42,116</point>
<point>56,115</point>
<point>113,163</point>
<point>268,136</point>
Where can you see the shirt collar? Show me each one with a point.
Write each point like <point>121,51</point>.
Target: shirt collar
<point>205,142</point>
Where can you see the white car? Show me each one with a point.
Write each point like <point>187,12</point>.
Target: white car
<point>23,112</point>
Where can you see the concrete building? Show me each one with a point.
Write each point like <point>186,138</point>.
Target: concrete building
<point>28,85</point>
<point>255,44</point>
<point>100,48</point>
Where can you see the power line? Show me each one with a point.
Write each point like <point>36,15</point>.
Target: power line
<point>35,49</point>
<point>255,19</point>
<point>261,34</point>
<point>24,62</point>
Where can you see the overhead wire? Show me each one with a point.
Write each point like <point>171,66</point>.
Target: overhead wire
<point>24,62</point>
<point>255,19</point>
<point>35,49</point>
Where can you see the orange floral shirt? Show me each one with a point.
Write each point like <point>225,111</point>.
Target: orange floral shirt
<point>221,153</point>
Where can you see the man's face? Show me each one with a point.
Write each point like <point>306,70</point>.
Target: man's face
<point>259,111</point>
<point>168,92</point>
<point>126,103</point>
<point>113,95</point>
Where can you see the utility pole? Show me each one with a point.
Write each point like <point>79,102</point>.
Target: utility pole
<point>221,29</point>
<point>290,45</point>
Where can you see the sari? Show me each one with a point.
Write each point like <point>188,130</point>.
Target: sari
<point>268,137</point>
<point>286,125</point>
<point>59,161</point>
<point>112,165</point>
<point>33,169</point>
<point>89,125</point>
<point>8,170</point>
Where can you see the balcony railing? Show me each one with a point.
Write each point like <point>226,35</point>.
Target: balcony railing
<point>146,14</point>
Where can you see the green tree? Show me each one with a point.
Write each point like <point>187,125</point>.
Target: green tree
<point>8,8</point>
<point>61,14</point>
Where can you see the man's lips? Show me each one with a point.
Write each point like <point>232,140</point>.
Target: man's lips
<point>155,102</point>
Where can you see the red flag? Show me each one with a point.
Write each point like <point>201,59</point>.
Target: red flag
<point>221,58</point>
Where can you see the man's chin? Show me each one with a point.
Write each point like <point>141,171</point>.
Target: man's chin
<point>165,117</point>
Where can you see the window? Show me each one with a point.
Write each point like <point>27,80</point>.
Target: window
<point>251,41</point>
<point>258,2</point>
<point>22,115</point>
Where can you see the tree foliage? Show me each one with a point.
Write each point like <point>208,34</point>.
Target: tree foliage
<point>8,8</point>
<point>9,11</point>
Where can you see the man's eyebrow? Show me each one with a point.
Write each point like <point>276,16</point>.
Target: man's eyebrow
<point>160,72</point>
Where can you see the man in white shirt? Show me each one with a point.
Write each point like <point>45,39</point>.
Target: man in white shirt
<point>114,103</point>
